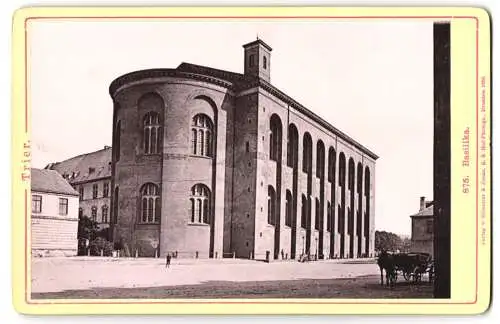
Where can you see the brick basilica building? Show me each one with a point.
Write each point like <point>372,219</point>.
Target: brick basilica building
<point>211,163</point>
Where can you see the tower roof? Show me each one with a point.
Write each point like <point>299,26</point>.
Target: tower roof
<point>258,41</point>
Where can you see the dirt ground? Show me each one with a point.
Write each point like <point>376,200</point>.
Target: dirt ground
<point>361,287</point>
<point>69,278</point>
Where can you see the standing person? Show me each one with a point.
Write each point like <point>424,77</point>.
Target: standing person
<point>168,260</point>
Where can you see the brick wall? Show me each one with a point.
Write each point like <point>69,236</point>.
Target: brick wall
<point>244,209</point>
<point>266,174</point>
<point>176,170</point>
<point>238,177</point>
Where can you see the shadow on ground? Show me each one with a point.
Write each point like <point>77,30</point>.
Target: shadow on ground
<point>359,287</point>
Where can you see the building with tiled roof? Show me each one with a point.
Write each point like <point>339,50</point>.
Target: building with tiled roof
<point>49,181</point>
<point>422,228</point>
<point>90,175</point>
<point>54,215</point>
<point>212,163</point>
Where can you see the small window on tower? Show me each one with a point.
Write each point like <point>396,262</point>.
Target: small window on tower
<point>264,62</point>
<point>252,60</point>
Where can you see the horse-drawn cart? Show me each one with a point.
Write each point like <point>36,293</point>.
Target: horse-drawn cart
<point>412,266</point>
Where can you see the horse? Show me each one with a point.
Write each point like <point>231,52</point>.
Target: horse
<point>386,262</point>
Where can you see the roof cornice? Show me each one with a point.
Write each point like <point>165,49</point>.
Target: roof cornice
<point>258,42</point>
<point>287,99</point>
<point>237,86</point>
<point>162,73</point>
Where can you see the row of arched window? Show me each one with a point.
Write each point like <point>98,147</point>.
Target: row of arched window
<point>202,129</point>
<point>201,135</point>
<point>304,210</point>
<point>292,154</point>
<point>356,176</point>
<point>150,207</point>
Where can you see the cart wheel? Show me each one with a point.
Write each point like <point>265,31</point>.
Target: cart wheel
<point>407,275</point>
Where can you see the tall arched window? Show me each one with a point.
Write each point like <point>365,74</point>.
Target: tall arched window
<point>320,159</point>
<point>342,170</point>
<point>331,164</point>
<point>316,215</point>
<point>200,204</point>
<point>303,215</point>
<point>150,203</point>
<point>152,133</point>
<point>293,146</point>
<point>328,217</point>
<point>288,208</point>
<point>307,153</point>
<point>341,210</point>
<point>359,212</point>
<point>202,135</point>
<point>271,205</point>
<point>264,62</point>
<point>275,138</point>
<point>366,221</point>
<point>350,186</point>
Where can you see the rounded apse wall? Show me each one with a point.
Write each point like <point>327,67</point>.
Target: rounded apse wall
<point>164,153</point>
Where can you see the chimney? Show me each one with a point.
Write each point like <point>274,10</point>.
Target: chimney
<point>422,203</point>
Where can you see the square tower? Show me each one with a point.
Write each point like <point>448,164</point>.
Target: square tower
<point>258,59</point>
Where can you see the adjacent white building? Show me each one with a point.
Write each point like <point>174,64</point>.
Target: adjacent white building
<point>54,215</point>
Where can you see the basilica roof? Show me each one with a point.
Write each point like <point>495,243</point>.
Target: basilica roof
<point>236,82</point>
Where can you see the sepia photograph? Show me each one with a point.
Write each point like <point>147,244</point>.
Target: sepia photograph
<point>245,158</point>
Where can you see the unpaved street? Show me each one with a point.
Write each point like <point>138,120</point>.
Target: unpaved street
<point>148,278</point>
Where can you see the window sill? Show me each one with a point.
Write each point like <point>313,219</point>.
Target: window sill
<point>197,224</point>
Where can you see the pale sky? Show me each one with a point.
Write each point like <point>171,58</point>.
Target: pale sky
<point>372,80</point>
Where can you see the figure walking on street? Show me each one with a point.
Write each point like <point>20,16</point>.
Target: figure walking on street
<point>167,265</point>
